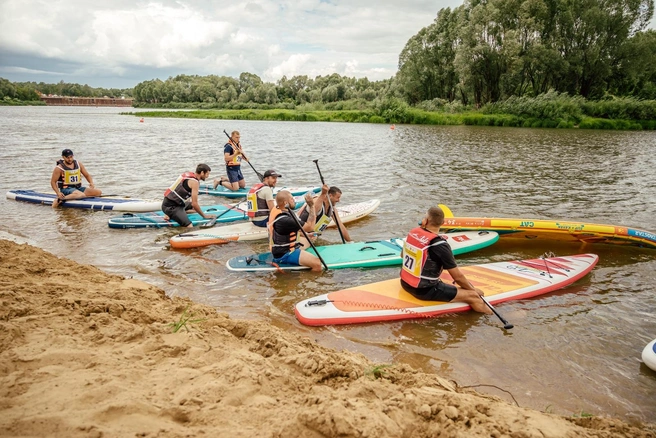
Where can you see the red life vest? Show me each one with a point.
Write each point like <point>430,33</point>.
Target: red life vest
<point>255,204</point>
<point>418,269</point>
<point>177,192</point>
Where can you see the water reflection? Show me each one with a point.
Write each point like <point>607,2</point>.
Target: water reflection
<point>574,349</point>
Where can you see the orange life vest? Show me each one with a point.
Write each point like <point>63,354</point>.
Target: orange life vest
<point>277,240</point>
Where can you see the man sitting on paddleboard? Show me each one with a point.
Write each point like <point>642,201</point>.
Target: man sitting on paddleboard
<point>233,155</point>
<point>66,180</point>
<point>324,205</point>
<point>176,197</point>
<point>283,230</point>
<point>425,255</point>
<point>260,199</point>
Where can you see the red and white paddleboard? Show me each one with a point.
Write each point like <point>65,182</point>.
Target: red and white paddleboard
<point>501,281</point>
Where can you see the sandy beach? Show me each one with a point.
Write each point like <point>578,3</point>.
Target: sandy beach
<point>88,354</point>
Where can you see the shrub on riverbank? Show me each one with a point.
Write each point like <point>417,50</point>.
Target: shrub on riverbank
<point>8,101</point>
<point>548,110</point>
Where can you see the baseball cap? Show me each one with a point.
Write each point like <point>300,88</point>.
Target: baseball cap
<point>67,153</point>
<point>272,172</point>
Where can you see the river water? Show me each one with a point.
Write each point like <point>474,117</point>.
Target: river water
<point>573,352</point>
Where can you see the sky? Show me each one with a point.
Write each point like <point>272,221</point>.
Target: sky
<point>120,43</point>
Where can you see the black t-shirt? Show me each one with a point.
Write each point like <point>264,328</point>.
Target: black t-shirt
<point>285,225</point>
<point>442,255</point>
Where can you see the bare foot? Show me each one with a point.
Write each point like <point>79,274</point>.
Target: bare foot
<point>220,182</point>
<point>56,203</point>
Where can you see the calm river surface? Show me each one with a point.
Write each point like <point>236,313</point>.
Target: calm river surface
<point>575,351</point>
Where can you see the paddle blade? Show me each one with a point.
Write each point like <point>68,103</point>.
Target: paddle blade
<point>209,224</point>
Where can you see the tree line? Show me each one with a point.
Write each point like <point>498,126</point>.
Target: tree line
<point>485,54</point>
<point>490,50</point>
<point>29,91</point>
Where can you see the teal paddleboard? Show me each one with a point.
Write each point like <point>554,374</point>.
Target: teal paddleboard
<point>224,213</point>
<point>361,254</point>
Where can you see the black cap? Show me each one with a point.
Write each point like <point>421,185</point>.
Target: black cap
<point>272,172</point>
<point>67,153</point>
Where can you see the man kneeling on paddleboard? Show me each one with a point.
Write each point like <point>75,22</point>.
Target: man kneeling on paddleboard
<point>260,199</point>
<point>425,256</point>
<point>324,210</point>
<point>283,230</point>
<point>176,197</point>
<point>66,180</point>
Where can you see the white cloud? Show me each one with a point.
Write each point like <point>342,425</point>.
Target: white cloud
<point>142,40</point>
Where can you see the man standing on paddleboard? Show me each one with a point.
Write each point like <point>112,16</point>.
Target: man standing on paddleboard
<point>425,255</point>
<point>66,180</point>
<point>176,197</point>
<point>233,155</point>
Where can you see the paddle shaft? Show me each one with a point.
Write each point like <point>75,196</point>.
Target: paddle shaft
<point>506,324</point>
<point>291,212</point>
<point>331,204</point>
<point>259,175</point>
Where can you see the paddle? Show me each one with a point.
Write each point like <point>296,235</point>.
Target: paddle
<point>259,175</point>
<point>291,212</point>
<point>330,204</point>
<point>506,324</point>
<point>213,221</point>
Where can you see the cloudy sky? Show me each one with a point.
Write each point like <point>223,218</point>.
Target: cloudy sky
<point>119,43</point>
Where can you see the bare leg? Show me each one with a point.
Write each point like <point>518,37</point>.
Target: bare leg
<point>472,298</point>
<point>307,259</point>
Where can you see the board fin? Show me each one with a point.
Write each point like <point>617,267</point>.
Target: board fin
<point>447,211</point>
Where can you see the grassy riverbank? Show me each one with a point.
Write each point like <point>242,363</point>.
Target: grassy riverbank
<point>408,116</point>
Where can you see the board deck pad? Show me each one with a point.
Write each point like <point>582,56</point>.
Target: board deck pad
<point>208,189</point>
<point>115,203</point>
<point>248,231</point>
<point>530,229</point>
<point>500,281</point>
<point>360,254</point>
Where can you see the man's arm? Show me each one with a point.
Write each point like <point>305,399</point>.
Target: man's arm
<point>87,175</point>
<point>56,174</point>
<point>194,186</point>
<point>312,216</point>
<point>462,281</point>
<point>341,226</point>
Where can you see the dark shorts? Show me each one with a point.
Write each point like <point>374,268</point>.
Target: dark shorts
<point>261,223</point>
<point>234,173</point>
<point>68,190</point>
<point>440,292</point>
<point>176,212</point>
<point>290,258</point>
